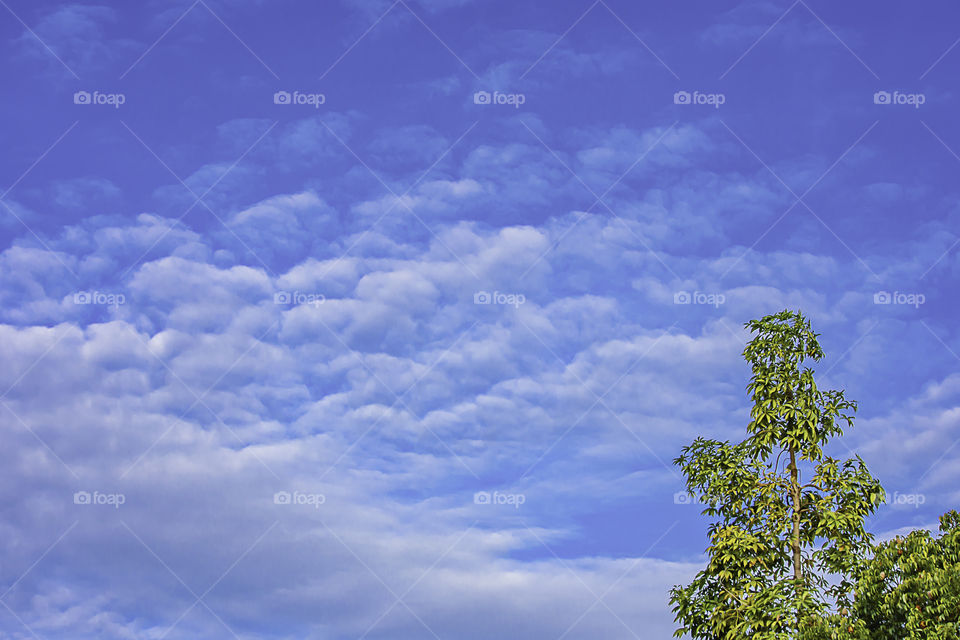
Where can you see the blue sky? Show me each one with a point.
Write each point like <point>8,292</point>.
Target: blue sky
<point>373,319</point>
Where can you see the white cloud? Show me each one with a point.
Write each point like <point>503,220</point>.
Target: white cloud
<point>203,395</point>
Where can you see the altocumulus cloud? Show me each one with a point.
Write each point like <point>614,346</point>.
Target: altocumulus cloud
<point>410,366</point>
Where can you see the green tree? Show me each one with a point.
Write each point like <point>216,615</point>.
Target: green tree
<point>782,550</point>
<point>910,587</point>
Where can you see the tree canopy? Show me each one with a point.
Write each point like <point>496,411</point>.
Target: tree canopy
<point>788,530</point>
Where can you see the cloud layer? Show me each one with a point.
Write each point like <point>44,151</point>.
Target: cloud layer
<point>409,365</point>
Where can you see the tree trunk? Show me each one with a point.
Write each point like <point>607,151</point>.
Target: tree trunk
<point>795,491</point>
<point>795,538</point>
